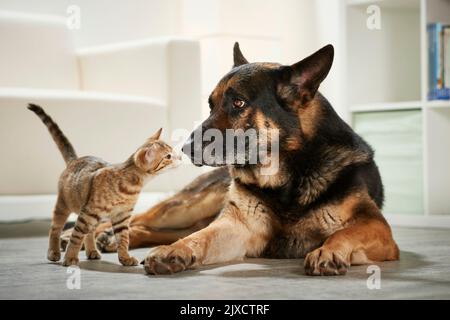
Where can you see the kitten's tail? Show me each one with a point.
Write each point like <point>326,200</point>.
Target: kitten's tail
<point>68,152</point>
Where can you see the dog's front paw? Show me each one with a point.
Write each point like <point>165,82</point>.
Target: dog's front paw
<point>325,262</point>
<point>106,241</point>
<point>168,259</point>
<point>70,261</point>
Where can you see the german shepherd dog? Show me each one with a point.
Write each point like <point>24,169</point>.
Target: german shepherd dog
<point>322,204</point>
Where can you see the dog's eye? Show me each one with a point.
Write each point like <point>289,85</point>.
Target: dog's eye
<point>238,103</point>
<point>169,156</point>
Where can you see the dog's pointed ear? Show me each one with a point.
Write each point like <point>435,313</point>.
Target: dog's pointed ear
<point>238,57</point>
<point>301,80</point>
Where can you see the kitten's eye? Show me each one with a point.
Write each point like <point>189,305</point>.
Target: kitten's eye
<point>169,156</point>
<point>238,103</point>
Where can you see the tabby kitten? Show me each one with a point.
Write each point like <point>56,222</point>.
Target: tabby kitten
<point>95,189</point>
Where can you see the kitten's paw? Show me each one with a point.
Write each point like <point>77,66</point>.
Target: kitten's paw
<point>93,255</point>
<point>53,255</point>
<point>106,241</point>
<point>70,262</point>
<point>128,261</point>
<point>168,259</point>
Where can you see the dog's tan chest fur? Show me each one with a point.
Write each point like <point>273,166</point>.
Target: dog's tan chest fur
<point>310,230</point>
<point>286,239</point>
<point>306,231</point>
<point>296,239</point>
<point>251,208</point>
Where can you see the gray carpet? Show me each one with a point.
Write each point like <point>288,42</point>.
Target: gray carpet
<point>422,272</point>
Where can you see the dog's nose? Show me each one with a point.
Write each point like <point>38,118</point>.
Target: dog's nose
<point>187,148</point>
<point>193,150</point>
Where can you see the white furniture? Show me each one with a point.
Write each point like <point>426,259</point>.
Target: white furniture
<point>107,100</point>
<point>387,97</point>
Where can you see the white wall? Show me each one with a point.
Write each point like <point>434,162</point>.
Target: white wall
<point>308,25</point>
<point>284,31</point>
<point>272,30</point>
<point>106,21</point>
<point>329,21</point>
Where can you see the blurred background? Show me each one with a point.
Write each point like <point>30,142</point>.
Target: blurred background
<point>111,73</point>
<point>283,31</point>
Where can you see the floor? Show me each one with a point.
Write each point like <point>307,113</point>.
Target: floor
<point>422,272</point>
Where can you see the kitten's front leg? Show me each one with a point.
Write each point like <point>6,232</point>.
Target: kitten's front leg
<point>120,224</point>
<point>90,246</point>
<point>86,223</point>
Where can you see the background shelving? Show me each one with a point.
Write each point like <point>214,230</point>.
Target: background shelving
<point>387,99</point>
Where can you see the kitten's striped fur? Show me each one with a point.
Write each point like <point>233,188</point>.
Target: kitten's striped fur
<point>95,189</point>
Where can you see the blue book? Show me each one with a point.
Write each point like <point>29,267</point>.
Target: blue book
<point>446,54</point>
<point>432,79</point>
<point>436,68</point>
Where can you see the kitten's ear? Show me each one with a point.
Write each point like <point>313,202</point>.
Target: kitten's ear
<point>144,157</point>
<point>156,135</point>
<point>150,155</point>
<point>238,57</point>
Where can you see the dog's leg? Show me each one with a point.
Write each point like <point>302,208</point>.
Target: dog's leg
<point>367,239</point>
<point>181,211</point>
<point>140,234</point>
<point>232,236</point>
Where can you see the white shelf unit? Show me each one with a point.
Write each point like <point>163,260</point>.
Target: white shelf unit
<point>386,78</point>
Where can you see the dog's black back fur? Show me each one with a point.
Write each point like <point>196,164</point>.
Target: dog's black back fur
<point>331,130</point>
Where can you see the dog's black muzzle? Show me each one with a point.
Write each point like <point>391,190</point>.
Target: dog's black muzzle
<point>193,147</point>
<point>193,151</point>
<point>204,148</point>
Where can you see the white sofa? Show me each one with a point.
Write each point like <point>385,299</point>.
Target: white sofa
<point>107,100</point>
